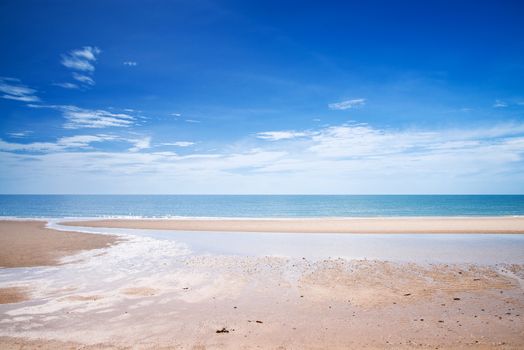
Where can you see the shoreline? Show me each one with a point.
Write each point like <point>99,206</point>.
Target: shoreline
<point>361,225</point>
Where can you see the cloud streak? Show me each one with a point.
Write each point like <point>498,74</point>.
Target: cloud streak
<point>70,142</point>
<point>281,135</point>
<point>82,63</point>
<point>500,104</point>
<point>67,85</point>
<point>78,118</point>
<point>13,89</point>
<point>178,144</point>
<point>84,79</point>
<point>81,59</point>
<point>348,104</point>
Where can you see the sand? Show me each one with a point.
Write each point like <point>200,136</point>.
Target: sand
<point>13,295</point>
<point>150,294</point>
<point>325,225</point>
<point>30,243</point>
<point>273,303</point>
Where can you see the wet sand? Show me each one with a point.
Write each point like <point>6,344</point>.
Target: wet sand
<point>13,295</point>
<point>231,303</point>
<point>324,225</point>
<point>151,294</point>
<point>30,243</point>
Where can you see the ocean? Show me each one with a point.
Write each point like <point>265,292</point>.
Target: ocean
<point>258,206</point>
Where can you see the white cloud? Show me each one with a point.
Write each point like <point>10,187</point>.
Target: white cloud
<point>192,121</point>
<point>82,141</point>
<point>90,118</point>
<point>355,140</point>
<point>78,118</point>
<point>280,135</point>
<point>130,63</point>
<point>140,144</point>
<point>20,134</point>
<point>85,79</point>
<point>346,158</point>
<point>361,141</point>
<point>500,104</point>
<point>67,85</point>
<point>82,62</point>
<point>343,105</point>
<point>30,147</point>
<point>78,141</point>
<point>81,59</point>
<point>178,144</point>
<point>176,114</point>
<point>13,89</point>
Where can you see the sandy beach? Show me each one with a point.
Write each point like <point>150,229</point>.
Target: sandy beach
<point>30,243</point>
<point>325,225</point>
<point>158,294</point>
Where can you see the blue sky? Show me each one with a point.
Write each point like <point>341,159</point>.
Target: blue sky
<point>261,97</point>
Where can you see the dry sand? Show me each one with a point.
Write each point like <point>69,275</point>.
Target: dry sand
<point>30,243</point>
<point>325,225</point>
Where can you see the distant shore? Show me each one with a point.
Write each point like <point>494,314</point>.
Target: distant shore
<point>416,225</point>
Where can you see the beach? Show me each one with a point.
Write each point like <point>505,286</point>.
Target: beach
<point>324,225</point>
<point>154,293</point>
<point>261,175</point>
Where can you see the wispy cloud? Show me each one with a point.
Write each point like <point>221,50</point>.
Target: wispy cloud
<point>84,79</point>
<point>192,121</point>
<point>20,134</point>
<point>348,104</point>
<point>140,144</point>
<point>82,63</point>
<point>500,104</point>
<point>78,118</point>
<point>81,59</point>
<point>178,144</point>
<point>13,89</point>
<point>94,118</point>
<point>83,141</point>
<point>67,85</point>
<point>70,142</point>
<point>130,63</point>
<point>281,135</point>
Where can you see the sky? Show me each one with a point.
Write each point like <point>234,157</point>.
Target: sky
<point>261,97</point>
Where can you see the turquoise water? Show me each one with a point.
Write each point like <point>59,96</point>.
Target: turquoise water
<point>59,206</point>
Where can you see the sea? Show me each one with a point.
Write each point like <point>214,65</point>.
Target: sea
<point>258,206</point>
